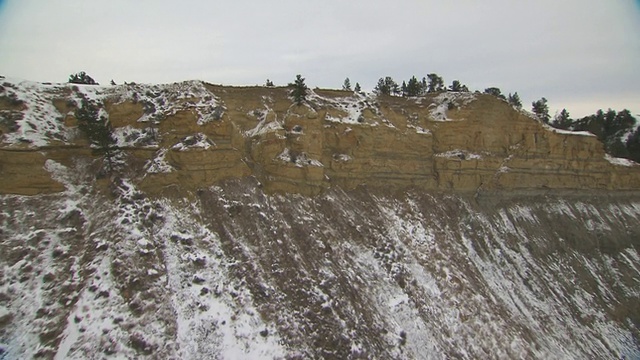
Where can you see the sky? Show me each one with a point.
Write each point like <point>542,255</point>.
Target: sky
<point>581,55</point>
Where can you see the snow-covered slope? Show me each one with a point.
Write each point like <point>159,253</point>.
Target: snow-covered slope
<point>233,273</point>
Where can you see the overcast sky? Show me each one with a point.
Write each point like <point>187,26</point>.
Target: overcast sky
<point>580,54</point>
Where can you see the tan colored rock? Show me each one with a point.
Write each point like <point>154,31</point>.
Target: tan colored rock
<point>395,143</point>
<point>23,173</point>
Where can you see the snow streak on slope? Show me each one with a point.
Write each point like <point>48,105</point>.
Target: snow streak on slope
<point>230,272</point>
<point>125,278</point>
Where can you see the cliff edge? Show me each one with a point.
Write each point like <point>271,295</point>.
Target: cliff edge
<point>193,134</point>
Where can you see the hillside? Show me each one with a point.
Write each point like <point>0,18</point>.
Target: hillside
<point>239,225</point>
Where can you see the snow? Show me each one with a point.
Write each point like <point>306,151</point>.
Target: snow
<point>352,106</point>
<point>342,157</point>
<point>159,164</point>
<point>441,103</point>
<point>459,154</point>
<point>263,127</point>
<point>561,131</point>
<point>38,123</point>
<point>128,136</point>
<point>619,161</point>
<point>440,277</point>
<point>299,159</point>
<point>197,141</point>
<point>164,100</point>
<point>215,325</point>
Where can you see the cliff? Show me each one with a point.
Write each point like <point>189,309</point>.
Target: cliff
<point>238,225</point>
<point>196,134</point>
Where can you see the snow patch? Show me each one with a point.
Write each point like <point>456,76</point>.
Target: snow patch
<point>263,127</point>
<point>163,100</point>
<point>619,161</point>
<point>299,159</point>
<point>459,154</point>
<point>35,122</point>
<point>159,165</point>
<point>447,100</point>
<point>197,141</point>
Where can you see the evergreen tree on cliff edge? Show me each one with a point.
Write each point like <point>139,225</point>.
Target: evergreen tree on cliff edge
<point>98,129</point>
<point>299,91</point>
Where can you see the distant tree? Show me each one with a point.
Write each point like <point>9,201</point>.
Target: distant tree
<point>618,123</point>
<point>357,88</point>
<point>387,86</point>
<point>395,90</point>
<point>514,100</point>
<point>82,78</point>
<point>113,83</point>
<point>495,92</point>
<point>592,123</point>
<point>436,83</point>
<point>541,109</point>
<point>98,129</point>
<point>269,83</point>
<point>423,86</point>
<point>614,129</point>
<point>381,88</point>
<point>562,120</point>
<point>299,91</point>
<point>403,88</point>
<point>413,87</point>
<point>346,85</point>
<point>456,86</point>
<point>633,145</point>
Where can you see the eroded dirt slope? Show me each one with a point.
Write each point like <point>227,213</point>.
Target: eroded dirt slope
<point>233,272</point>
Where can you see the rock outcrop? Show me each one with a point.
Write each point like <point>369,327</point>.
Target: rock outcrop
<point>449,141</point>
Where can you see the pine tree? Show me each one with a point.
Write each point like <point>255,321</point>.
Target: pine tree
<point>562,120</point>
<point>269,83</point>
<point>633,146</point>
<point>541,109</point>
<point>357,88</point>
<point>456,86</point>
<point>393,86</point>
<point>435,83</point>
<point>82,78</point>
<point>413,87</point>
<point>98,130</point>
<point>514,100</point>
<point>113,83</point>
<point>299,91</point>
<point>346,85</point>
<point>381,88</point>
<point>387,86</point>
<point>495,92</point>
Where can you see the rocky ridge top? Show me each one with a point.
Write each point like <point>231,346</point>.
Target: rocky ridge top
<point>195,134</point>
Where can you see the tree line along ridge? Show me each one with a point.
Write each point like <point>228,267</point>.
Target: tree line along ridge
<point>618,131</point>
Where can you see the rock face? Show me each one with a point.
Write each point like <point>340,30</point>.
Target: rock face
<point>450,141</point>
<point>237,225</point>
